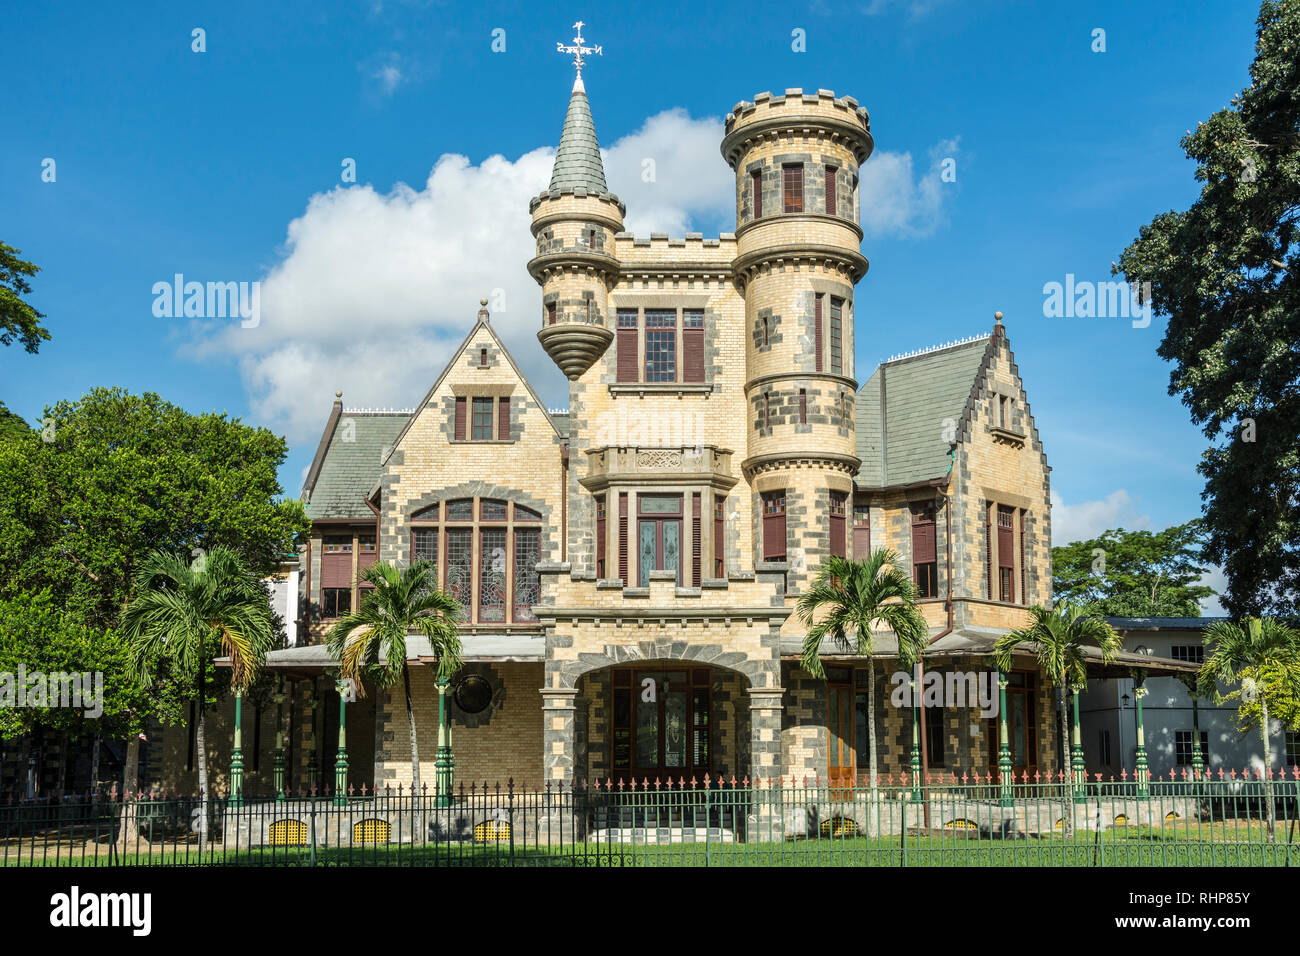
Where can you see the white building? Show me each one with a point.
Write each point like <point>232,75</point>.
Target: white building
<point>1108,713</point>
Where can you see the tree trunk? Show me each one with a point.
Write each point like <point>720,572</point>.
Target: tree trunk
<point>1268,767</point>
<point>201,750</point>
<point>871,728</point>
<point>410,722</point>
<point>94,765</point>
<point>130,776</point>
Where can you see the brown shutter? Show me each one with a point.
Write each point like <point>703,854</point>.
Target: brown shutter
<point>460,419</point>
<point>774,526</point>
<point>695,540</point>
<point>803,406</point>
<point>336,569</point>
<point>600,536</point>
<point>503,419</point>
<point>831,208</point>
<point>693,355</point>
<point>1024,590</point>
<point>923,549</point>
<point>837,525</point>
<point>719,536</point>
<point>756,177</point>
<point>627,355</point>
<point>622,538</point>
<point>861,542</point>
<point>988,548</point>
<point>817,330</point>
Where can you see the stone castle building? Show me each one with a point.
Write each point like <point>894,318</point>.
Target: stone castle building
<point>629,567</point>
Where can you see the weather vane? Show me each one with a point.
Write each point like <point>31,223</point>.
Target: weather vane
<point>578,50</point>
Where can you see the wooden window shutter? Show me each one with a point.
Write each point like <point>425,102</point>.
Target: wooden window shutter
<point>719,535</point>
<point>460,419</point>
<point>817,330</point>
<point>627,358</point>
<point>600,536</point>
<point>550,313</point>
<point>622,538</point>
<point>503,419</point>
<point>831,207</point>
<point>923,544</point>
<point>861,534</point>
<point>803,406</point>
<point>774,526</point>
<point>988,548</point>
<point>1024,590</point>
<point>756,179</point>
<point>837,525</point>
<point>692,355</point>
<point>695,539</point>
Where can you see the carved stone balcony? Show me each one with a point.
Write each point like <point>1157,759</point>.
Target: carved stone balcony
<point>686,465</point>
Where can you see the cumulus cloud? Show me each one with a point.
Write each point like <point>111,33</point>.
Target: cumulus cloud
<point>1087,519</point>
<point>375,289</point>
<point>897,201</point>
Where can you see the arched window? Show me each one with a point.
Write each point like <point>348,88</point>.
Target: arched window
<point>486,551</point>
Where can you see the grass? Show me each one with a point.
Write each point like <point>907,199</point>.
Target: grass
<point>1228,843</point>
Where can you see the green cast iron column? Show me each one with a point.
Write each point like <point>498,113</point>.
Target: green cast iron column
<point>1078,770</point>
<point>279,747</point>
<point>237,755</point>
<point>443,763</point>
<point>344,687</point>
<point>313,758</point>
<point>1004,744</point>
<point>1140,769</point>
<point>916,740</point>
<point>1198,759</point>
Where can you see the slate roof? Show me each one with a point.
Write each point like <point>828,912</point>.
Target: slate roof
<point>577,161</point>
<point>902,408</point>
<point>349,469</point>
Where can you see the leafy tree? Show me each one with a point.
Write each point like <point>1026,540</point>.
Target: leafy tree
<point>125,475</point>
<point>18,320</point>
<point>370,642</point>
<point>1136,573</point>
<point>188,614</point>
<point>1250,650</point>
<point>1227,274</point>
<point>11,426</point>
<point>1057,639</point>
<point>849,598</point>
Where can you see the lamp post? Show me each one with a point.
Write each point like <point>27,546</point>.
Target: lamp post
<point>279,698</point>
<point>443,764</point>
<point>1141,772</point>
<point>916,739</point>
<point>344,687</point>
<point>1078,770</point>
<point>1004,745</point>
<point>237,754</point>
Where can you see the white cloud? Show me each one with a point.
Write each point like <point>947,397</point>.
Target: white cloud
<point>1090,518</point>
<point>1215,578</point>
<point>375,289</point>
<point>896,201</point>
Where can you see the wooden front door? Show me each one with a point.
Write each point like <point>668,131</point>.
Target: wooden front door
<point>840,758</point>
<point>662,724</point>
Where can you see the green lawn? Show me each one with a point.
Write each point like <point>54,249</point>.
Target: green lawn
<point>1218,844</point>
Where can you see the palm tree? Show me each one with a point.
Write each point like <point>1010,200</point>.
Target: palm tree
<point>1240,650</point>
<point>370,643</point>
<point>1057,638</point>
<point>849,598</point>
<point>185,613</point>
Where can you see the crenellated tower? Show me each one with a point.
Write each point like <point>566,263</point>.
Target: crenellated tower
<point>796,159</point>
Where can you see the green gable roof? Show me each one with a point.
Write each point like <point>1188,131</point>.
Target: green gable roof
<point>352,463</point>
<point>577,161</point>
<point>902,409</point>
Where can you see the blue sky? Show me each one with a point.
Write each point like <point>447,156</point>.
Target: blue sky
<point>168,160</point>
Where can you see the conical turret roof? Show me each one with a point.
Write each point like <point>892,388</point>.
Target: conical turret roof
<point>577,162</point>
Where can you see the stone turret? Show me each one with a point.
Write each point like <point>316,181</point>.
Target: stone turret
<point>574,224</point>
<point>796,159</point>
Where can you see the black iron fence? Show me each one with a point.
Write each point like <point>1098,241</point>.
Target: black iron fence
<point>1204,823</point>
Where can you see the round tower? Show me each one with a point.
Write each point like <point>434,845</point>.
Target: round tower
<point>796,159</point>
<point>574,223</point>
